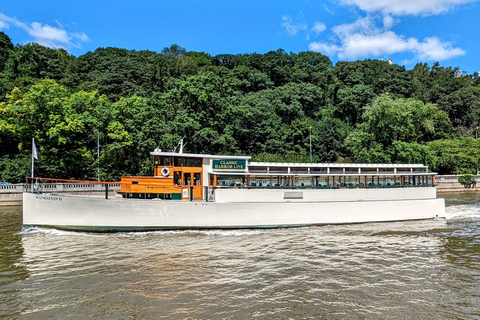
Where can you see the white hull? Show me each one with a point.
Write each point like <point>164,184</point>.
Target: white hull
<point>344,206</point>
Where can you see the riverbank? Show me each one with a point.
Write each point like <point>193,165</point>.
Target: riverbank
<point>449,183</point>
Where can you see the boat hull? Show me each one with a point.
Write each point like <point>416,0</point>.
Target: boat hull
<point>105,215</point>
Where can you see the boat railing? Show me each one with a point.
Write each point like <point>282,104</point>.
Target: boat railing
<point>67,186</point>
<point>329,187</point>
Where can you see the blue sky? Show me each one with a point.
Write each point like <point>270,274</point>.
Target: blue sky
<point>406,31</point>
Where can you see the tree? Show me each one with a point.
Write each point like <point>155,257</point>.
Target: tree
<point>463,108</point>
<point>457,156</point>
<point>467,181</point>
<point>391,127</point>
<point>174,50</point>
<point>64,126</point>
<point>6,46</point>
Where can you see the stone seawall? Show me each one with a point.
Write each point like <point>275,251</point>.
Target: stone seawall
<point>449,183</point>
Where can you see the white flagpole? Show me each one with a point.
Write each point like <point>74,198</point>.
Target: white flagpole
<point>34,156</point>
<point>33,164</point>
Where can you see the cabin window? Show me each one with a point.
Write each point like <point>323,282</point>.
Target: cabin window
<point>304,182</point>
<point>260,181</point>
<point>177,177</point>
<point>322,181</point>
<point>197,179</point>
<point>229,181</point>
<point>187,178</point>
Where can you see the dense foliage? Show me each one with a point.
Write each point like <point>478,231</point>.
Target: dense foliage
<point>264,105</point>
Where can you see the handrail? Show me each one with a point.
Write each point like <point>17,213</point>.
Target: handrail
<point>327,187</point>
<point>73,181</point>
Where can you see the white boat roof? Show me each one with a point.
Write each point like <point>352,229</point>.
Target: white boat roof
<point>336,165</point>
<point>159,152</point>
<point>312,174</point>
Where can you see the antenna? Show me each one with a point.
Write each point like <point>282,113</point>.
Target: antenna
<point>181,145</point>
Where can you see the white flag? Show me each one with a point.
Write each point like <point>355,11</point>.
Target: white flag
<point>34,150</point>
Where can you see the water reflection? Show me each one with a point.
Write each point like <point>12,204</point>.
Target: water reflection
<point>12,268</point>
<point>424,269</point>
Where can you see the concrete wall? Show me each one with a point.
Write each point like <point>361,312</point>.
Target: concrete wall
<point>449,183</point>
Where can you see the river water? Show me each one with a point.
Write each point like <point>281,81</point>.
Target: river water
<point>404,270</point>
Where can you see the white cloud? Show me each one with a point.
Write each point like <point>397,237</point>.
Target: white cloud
<point>363,38</point>
<point>434,49</point>
<point>318,27</point>
<point>3,25</point>
<point>328,9</point>
<point>45,34</point>
<point>407,7</point>
<point>292,28</point>
<point>388,21</point>
<point>81,36</point>
<point>329,49</point>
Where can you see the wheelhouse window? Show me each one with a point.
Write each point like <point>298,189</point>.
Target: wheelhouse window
<point>188,162</point>
<point>163,161</point>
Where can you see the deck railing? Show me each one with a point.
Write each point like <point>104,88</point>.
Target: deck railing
<point>328,187</point>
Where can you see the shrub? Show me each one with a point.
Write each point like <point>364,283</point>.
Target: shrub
<point>467,180</point>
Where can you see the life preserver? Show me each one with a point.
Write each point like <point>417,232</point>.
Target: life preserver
<point>165,172</point>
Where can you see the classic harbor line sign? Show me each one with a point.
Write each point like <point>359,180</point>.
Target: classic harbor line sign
<point>230,164</point>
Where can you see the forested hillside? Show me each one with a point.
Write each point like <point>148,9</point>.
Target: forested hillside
<point>262,105</point>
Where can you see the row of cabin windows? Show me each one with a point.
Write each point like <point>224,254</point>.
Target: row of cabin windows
<point>338,181</point>
<point>335,170</point>
<point>179,162</point>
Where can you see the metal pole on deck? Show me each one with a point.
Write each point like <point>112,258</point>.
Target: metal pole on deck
<point>98,155</point>
<point>34,156</point>
<point>310,144</point>
<point>32,165</point>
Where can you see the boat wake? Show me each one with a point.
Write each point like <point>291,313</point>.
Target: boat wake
<point>463,211</point>
<point>209,232</point>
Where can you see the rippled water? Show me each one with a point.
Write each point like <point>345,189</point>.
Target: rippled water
<point>424,269</point>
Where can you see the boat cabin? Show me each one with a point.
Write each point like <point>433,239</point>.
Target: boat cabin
<point>187,176</point>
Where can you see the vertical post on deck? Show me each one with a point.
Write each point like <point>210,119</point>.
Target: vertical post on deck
<point>106,190</point>
<point>310,143</point>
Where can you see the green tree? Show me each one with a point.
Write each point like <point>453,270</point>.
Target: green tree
<point>64,126</point>
<point>6,46</point>
<point>457,156</point>
<point>391,130</point>
<point>467,180</point>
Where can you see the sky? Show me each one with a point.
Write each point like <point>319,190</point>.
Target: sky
<point>406,31</point>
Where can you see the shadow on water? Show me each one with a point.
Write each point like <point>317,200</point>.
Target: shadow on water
<point>12,269</point>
